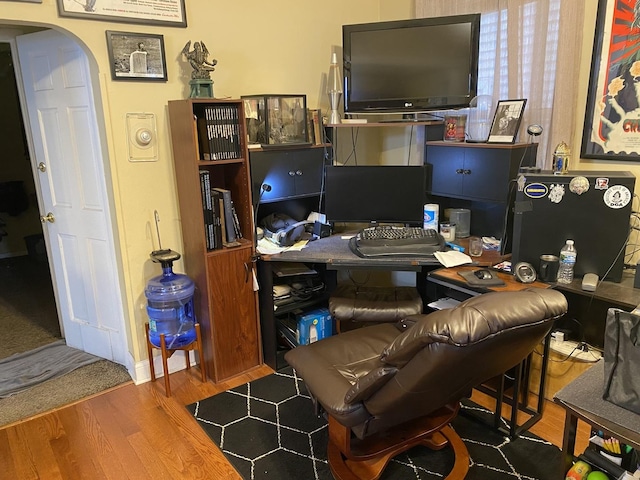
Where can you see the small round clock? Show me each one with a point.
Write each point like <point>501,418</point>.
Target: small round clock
<point>525,272</point>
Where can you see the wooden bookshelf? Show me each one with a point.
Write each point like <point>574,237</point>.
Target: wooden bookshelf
<point>225,301</point>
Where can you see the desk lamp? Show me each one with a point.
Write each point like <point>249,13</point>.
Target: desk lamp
<point>534,130</point>
<point>334,89</point>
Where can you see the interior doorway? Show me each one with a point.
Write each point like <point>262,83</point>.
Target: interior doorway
<point>27,301</point>
<point>70,172</point>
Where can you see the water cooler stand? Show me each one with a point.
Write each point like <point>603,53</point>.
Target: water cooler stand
<point>170,309</point>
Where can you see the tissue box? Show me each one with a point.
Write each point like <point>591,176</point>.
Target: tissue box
<point>314,326</point>
<point>276,119</point>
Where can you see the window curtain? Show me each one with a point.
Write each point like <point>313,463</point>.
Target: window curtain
<point>528,49</point>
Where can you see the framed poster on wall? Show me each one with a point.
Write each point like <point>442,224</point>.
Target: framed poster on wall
<point>152,12</point>
<point>612,119</point>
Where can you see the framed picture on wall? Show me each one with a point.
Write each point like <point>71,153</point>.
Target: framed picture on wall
<point>612,119</point>
<point>506,121</point>
<point>152,12</point>
<point>136,56</point>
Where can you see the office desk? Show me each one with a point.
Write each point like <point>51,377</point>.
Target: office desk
<point>327,255</point>
<point>334,252</point>
<point>582,400</point>
<point>590,308</point>
<point>448,282</point>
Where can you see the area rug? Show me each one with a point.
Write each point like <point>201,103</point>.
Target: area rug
<point>267,430</point>
<point>25,370</point>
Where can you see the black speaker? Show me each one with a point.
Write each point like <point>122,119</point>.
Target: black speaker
<point>321,230</point>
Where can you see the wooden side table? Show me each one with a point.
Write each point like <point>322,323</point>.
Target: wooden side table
<point>582,400</point>
<point>168,352</point>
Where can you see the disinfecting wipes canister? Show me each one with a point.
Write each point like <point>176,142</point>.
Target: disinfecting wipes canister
<point>431,216</point>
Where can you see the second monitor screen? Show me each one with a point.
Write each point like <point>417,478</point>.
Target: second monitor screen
<point>375,194</point>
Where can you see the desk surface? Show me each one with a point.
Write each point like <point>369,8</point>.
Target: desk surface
<point>511,284</point>
<point>335,252</point>
<point>623,294</point>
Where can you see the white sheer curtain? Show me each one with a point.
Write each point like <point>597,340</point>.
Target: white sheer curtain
<point>528,49</point>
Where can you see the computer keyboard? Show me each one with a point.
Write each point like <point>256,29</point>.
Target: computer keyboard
<point>385,240</point>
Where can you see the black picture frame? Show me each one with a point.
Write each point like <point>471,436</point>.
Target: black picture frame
<point>611,125</point>
<point>136,56</point>
<point>506,121</point>
<point>151,12</point>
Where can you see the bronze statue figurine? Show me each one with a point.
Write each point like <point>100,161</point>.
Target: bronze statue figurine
<point>198,58</point>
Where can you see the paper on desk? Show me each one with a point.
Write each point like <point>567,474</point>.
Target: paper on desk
<point>452,258</point>
<point>267,247</point>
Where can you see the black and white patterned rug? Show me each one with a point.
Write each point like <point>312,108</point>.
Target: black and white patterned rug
<point>267,430</point>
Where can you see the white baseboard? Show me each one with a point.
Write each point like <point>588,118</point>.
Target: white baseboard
<point>175,363</point>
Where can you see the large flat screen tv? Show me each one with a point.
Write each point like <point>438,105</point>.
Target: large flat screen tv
<point>375,194</point>
<point>411,65</point>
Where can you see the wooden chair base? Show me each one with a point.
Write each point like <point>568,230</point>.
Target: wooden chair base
<point>354,459</point>
<point>168,352</point>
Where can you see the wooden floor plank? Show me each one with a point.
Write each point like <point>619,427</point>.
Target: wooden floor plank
<point>136,432</point>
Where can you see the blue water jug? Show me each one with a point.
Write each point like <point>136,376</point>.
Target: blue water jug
<point>170,304</point>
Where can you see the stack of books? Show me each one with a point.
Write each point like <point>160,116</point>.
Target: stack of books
<point>222,226</point>
<point>219,132</point>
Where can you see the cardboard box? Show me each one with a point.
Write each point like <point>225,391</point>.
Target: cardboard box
<point>313,326</point>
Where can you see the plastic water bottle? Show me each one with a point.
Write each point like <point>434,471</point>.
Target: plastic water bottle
<point>568,256</point>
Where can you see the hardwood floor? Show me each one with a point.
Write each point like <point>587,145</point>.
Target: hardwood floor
<point>136,432</point>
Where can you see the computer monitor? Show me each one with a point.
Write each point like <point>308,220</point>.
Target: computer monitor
<point>375,194</point>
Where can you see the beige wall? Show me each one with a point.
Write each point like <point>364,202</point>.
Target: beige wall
<point>280,46</point>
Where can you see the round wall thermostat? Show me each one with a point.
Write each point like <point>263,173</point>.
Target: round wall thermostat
<point>525,272</point>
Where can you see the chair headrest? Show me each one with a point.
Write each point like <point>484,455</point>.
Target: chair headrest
<point>475,320</point>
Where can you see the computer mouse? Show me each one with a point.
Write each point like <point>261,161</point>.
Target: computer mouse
<point>483,274</point>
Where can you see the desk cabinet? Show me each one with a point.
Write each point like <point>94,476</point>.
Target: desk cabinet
<point>291,173</point>
<point>275,339</point>
<point>474,171</point>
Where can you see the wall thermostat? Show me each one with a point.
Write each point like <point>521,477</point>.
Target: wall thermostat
<point>142,137</point>
<point>525,272</point>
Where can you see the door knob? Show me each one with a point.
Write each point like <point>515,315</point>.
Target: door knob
<point>48,218</point>
<point>42,167</point>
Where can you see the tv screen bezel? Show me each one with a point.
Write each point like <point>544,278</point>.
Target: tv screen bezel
<point>394,182</point>
<point>418,104</point>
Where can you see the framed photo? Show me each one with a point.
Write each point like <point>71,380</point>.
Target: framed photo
<point>151,12</point>
<point>612,120</point>
<point>136,56</point>
<point>506,121</point>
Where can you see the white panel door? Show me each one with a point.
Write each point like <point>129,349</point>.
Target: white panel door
<point>72,188</point>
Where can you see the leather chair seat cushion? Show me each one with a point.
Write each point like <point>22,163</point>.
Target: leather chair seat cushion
<point>332,366</point>
<point>374,304</point>
<point>475,320</point>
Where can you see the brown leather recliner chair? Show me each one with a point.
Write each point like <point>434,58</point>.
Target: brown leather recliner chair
<point>387,388</point>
